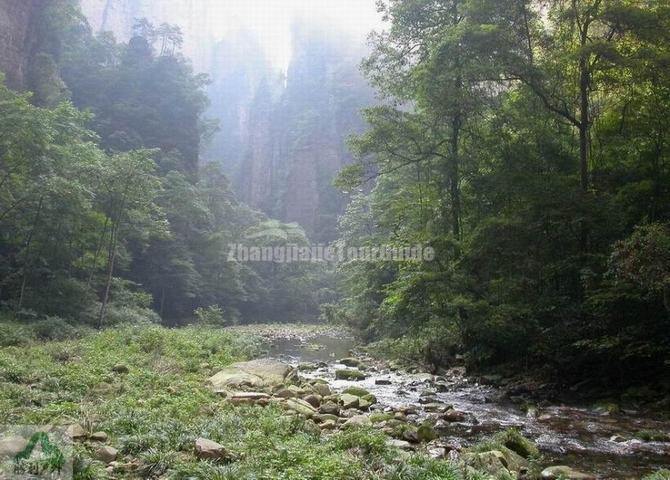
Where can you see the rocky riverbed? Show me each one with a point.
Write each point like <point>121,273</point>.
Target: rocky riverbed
<point>320,375</point>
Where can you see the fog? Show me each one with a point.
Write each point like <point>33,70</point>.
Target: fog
<point>271,20</point>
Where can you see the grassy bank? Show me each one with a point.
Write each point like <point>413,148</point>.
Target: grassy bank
<point>144,387</point>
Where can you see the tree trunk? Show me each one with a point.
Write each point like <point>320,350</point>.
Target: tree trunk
<point>26,263</point>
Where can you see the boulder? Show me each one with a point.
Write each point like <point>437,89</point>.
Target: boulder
<point>76,432</point>
<point>357,391</point>
<point>106,454</point>
<point>383,381</point>
<point>313,400</point>
<point>209,450</point>
<point>351,362</point>
<point>12,446</point>
<point>322,389</point>
<point>358,421</point>
<point>348,374</point>
<point>349,401</point>
<point>248,398</point>
<point>99,437</point>
<point>255,373</point>
<point>426,432</point>
<point>564,473</point>
<point>453,416</point>
<point>401,444</point>
<point>300,406</point>
<point>492,462</point>
<point>329,408</point>
<point>328,425</point>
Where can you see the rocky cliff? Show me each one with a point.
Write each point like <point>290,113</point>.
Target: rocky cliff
<point>17,38</point>
<point>118,16</point>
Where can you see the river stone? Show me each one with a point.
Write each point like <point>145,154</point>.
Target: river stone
<point>401,444</point>
<point>351,362</point>
<point>247,398</point>
<point>324,417</point>
<point>106,454</point>
<point>328,425</point>
<point>357,391</point>
<point>12,446</point>
<point>313,400</point>
<point>452,415</point>
<point>99,437</point>
<point>300,406</point>
<point>492,462</point>
<point>329,408</point>
<point>564,473</point>
<point>76,432</point>
<point>285,393</point>
<point>426,433</point>
<point>358,421</point>
<point>347,374</point>
<point>349,401</point>
<point>255,373</point>
<point>209,450</point>
<point>363,404</point>
<point>322,389</point>
<point>383,381</point>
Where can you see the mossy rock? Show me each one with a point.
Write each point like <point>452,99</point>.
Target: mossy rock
<point>517,443</point>
<point>357,391</point>
<point>381,417</point>
<point>348,374</point>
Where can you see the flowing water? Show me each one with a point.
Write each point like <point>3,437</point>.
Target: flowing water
<point>567,435</point>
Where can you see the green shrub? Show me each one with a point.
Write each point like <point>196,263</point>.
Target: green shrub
<point>212,315</point>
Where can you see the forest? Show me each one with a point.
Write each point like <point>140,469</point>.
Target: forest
<point>525,142</point>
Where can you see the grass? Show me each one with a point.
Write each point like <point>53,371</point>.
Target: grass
<point>145,387</point>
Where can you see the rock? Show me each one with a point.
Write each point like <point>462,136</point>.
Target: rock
<point>357,391</point>
<point>411,435</point>
<point>401,444</point>
<point>300,406</point>
<point>347,374</point>
<point>106,454</point>
<point>12,446</point>
<point>322,389</point>
<point>435,407</point>
<point>313,400</point>
<point>492,463</point>
<point>453,416</point>
<point>328,425</point>
<point>436,453</point>
<point>358,421</point>
<point>564,473</point>
<point>256,374</point>
<point>349,401</point>
<point>426,433</point>
<point>617,439</point>
<point>248,398</point>
<point>329,408</point>
<point>209,450</point>
<point>285,393</point>
<point>76,432</point>
<point>351,362</point>
<point>370,398</point>
<point>307,367</point>
<point>363,404</point>
<point>99,437</point>
<point>383,381</point>
<point>120,368</point>
<point>324,417</point>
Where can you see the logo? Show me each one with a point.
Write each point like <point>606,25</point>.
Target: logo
<point>35,452</point>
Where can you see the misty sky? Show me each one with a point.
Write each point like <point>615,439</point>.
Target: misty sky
<point>271,20</point>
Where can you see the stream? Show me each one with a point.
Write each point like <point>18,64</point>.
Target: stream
<point>580,437</point>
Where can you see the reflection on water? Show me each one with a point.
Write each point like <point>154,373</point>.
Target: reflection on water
<point>578,437</point>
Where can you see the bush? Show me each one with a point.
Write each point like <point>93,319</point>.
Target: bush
<point>212,315</point>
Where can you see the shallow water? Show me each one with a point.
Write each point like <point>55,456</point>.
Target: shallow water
<point>567,435</point>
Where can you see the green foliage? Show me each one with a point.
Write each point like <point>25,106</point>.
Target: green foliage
<point>504,146</point>
<point>212,315</point>
<point>155,412</point>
